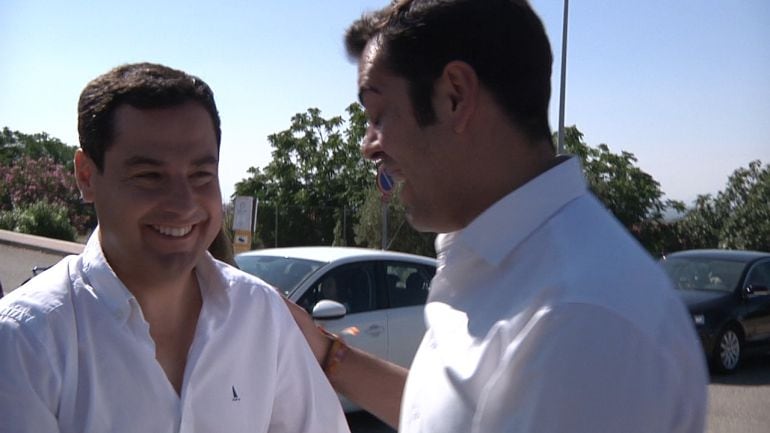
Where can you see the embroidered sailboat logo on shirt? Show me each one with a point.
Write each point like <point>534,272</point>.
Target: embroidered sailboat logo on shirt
<point>235,395</point>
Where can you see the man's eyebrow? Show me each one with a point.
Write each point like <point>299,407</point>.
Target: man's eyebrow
<point>142,160</point>
<point>206,160</point>
<point>363,90</point>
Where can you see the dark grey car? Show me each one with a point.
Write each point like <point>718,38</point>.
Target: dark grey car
<point>727,293</point>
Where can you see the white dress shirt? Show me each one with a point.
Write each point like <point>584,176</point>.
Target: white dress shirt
<point>545,315</point>
<point>76,356</point>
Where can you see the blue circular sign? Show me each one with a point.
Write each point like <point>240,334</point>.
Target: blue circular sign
<point>385,183</point>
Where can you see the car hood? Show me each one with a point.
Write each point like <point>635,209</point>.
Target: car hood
<point>702,298</point>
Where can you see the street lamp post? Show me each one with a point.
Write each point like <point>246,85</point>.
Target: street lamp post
<point>560,148</point>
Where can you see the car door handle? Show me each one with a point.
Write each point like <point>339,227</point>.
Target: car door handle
<point>375,330</point>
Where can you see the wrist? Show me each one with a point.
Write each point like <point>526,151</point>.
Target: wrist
<point>324,343</point>
<point>335,353</point>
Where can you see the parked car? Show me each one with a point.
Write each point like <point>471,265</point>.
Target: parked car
<point>373,298</point>
<point>728,295</point>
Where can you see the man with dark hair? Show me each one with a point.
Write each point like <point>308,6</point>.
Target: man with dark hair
<point>145,331</point>
<point>545,315</point>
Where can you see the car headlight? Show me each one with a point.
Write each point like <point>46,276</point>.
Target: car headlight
<point>699,319</point>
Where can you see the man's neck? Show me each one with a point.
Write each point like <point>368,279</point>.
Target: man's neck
<point>504,171</point>
<point>172,311</point>
<point>166,299</point>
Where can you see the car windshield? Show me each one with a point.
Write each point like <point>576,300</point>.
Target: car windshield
<point>704,273</point>
<point>285,273</point>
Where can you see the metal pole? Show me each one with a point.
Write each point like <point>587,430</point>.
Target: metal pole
<point>254,223</point>
<point>384,224</point>
<point>276,225</point>
<point>345,236</point>
<point>560,148</point>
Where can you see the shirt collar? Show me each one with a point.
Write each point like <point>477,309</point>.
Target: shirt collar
<point>215,285</point>
<point>102,281</point>
<point>115,296</point>
<point>503,226</point>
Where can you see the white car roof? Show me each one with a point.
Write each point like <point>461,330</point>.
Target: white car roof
<point>330,254</point>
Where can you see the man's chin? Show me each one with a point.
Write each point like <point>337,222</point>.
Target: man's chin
<point>418,223</point>
<point>180,261</point>
<point>430,222</point>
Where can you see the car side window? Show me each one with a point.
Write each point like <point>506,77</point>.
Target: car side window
<point>407,283</point>
<point>759,275</point>
<point>351,285</point>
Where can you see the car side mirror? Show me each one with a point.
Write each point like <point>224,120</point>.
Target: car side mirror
<point>755,290</point>
<point>328,310</point>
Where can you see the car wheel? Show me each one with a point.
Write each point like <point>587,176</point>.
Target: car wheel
<point>728,351</point>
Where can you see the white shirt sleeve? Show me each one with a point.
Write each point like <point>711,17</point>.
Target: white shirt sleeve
<point>581,368</point>
<point>305,401</point>
<point>28,386</point>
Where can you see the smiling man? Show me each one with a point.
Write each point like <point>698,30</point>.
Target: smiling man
<point>145,331</point>
<point>544,315</point>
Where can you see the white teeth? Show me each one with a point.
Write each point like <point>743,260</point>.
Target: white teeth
<point>173,231</point>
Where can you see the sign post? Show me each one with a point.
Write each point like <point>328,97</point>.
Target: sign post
<point>385,184</point>
<point>243,224</point>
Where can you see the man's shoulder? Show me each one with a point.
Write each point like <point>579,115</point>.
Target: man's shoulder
<point>41,295</point>
<point>41,309</point>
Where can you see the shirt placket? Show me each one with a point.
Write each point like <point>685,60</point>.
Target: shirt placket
<point>140,329</point>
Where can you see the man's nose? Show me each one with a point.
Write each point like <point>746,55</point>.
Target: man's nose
<point>180,196</point>
<point>370,145</point>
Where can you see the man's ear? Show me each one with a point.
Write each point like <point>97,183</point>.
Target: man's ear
<point>458,88</point>
<point>85,171</point>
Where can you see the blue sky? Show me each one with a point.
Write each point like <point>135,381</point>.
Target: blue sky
<point>682,84</point>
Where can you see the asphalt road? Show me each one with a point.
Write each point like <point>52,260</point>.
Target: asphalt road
<point>737,403</point>
<point>741,402</point>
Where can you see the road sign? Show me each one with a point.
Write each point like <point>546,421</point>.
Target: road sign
<point>243,223</point>
<point>385,182</point>
<point>244,212</point>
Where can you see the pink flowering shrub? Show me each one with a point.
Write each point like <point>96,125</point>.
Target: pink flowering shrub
<point>28,181</point>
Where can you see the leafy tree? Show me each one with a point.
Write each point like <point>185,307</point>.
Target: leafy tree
<point>320,191</point>
<point>632,195</point>
<point>736,218</point>
<point>401,235</point>
<point>38,168</point>
<point>14,145</point>
<point>746,200</point>
<point>701,225</point>
<point>39,218</point>
<point>315,182</point>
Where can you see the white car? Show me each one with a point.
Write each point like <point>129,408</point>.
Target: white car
<point>372,298</point>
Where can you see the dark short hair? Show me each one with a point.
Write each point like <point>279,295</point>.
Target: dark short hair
<point>504,41</point>
<point>142,86</point>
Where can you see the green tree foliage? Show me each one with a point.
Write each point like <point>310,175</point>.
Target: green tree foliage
<point>39,169</point>
<point>401,235</point>
<point>701,226</point>
<point>324,190</point>
<point>39,218</point>
<point>317,179</point>
<point>14,145</point>
<point>737,217</point>
<point>632,195</point>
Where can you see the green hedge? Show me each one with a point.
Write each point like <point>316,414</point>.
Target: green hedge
<point>41,219</point>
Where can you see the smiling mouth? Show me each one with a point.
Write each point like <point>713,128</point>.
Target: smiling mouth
<point>176,232</point>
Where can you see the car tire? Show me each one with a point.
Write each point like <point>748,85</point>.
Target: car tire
<point>728,350</point>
